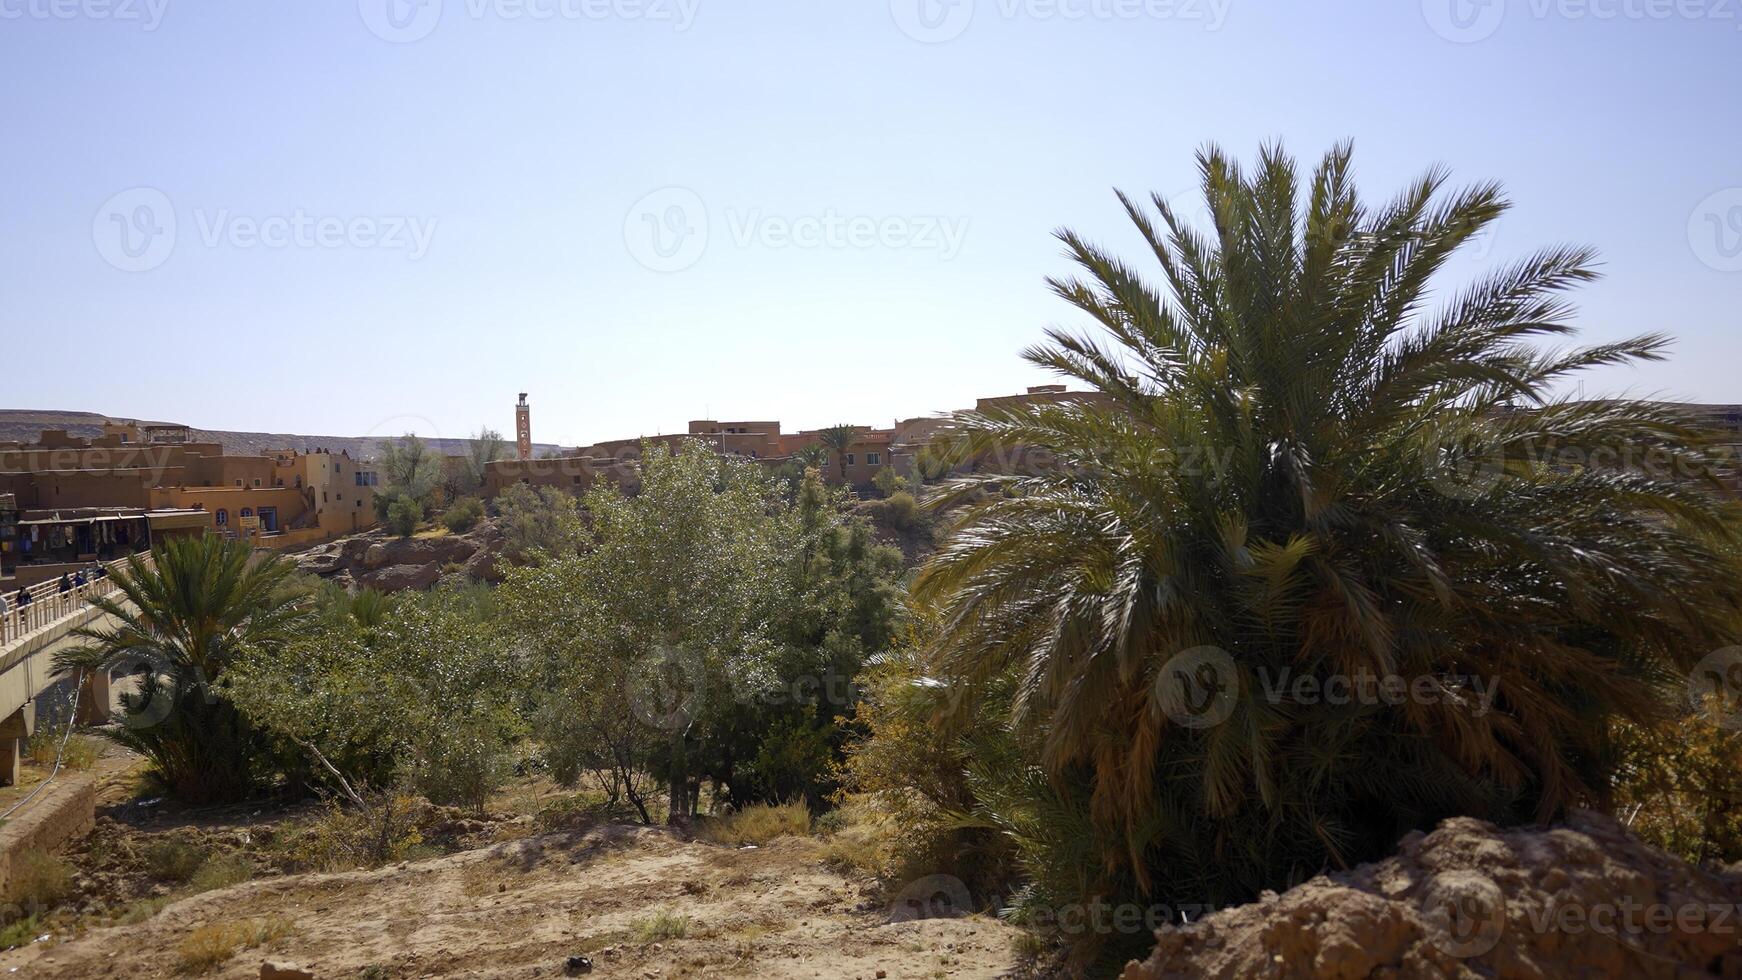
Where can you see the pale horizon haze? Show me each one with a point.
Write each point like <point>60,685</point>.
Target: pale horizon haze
<point>361,218</point>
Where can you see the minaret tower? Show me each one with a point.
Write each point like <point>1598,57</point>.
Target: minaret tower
<point>523,428</point>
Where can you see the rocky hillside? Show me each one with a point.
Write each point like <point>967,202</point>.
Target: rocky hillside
<point>22,425</point>
<point>1469,900</point>
<point>381,561</point>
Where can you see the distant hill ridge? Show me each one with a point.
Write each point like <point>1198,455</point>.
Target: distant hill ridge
<point>23,425</point>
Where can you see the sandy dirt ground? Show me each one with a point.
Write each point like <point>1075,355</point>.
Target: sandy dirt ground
<point>522,908</point>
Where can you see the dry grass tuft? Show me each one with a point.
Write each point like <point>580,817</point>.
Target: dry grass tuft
<point>662,925</point>
<point>759,824</point>
<point>210,946</point>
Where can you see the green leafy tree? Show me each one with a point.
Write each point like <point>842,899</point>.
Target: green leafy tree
<point>465,477</point>
<point>538,522</point>
<point>410,470</point>
<point>182,618</point>
<point>404,514</point>
<point>652,627</point>
<point>419,691</point>
<point>1294,465</point>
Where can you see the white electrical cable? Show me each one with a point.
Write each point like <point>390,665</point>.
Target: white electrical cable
<point>78,687</point>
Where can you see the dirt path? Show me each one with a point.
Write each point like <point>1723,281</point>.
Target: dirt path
<point>520,909</point>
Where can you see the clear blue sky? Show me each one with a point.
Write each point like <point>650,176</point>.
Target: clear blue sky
<point>525,150</point>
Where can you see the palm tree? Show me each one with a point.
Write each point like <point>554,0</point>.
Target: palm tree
<point>814,456</point>
<point>183,617</point>
<point>837,438</point>
<point>1297,463</point>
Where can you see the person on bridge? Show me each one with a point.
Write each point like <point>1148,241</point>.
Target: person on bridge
<point>66,584</point>
<point>78,579</point>
<point>23,597</point>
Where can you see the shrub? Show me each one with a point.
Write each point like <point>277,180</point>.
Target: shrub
<point>900,513</point>
<point>1679,785</point>
<point>39,880</point>
<point>21,932</point>
<point>404,514</point>
<point>221,871</point>
<point>889,482</point>
<point>173,859</point>
<point>80,752</point>
<point>342,838</point>
<point>463,515</point>
<point>759,824</point>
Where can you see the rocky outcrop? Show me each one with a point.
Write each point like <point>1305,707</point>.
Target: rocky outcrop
<point>381,561</point>
<point>1585,899</point>
<point>395,578</point>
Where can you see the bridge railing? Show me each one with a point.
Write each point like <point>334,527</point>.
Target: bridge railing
<point>48,603</point>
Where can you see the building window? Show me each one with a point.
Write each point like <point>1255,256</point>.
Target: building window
<point>849,459</point>
<point>247,512</point>
<point>238,482</point>
<point>221,518</point>
<point>872,459</point>
<point>256,481</point>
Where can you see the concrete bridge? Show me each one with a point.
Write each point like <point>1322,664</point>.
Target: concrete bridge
<point>30,636</point>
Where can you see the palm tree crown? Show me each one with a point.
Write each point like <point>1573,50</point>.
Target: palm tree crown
<point>183,617</point>
<point>1296,461</point>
